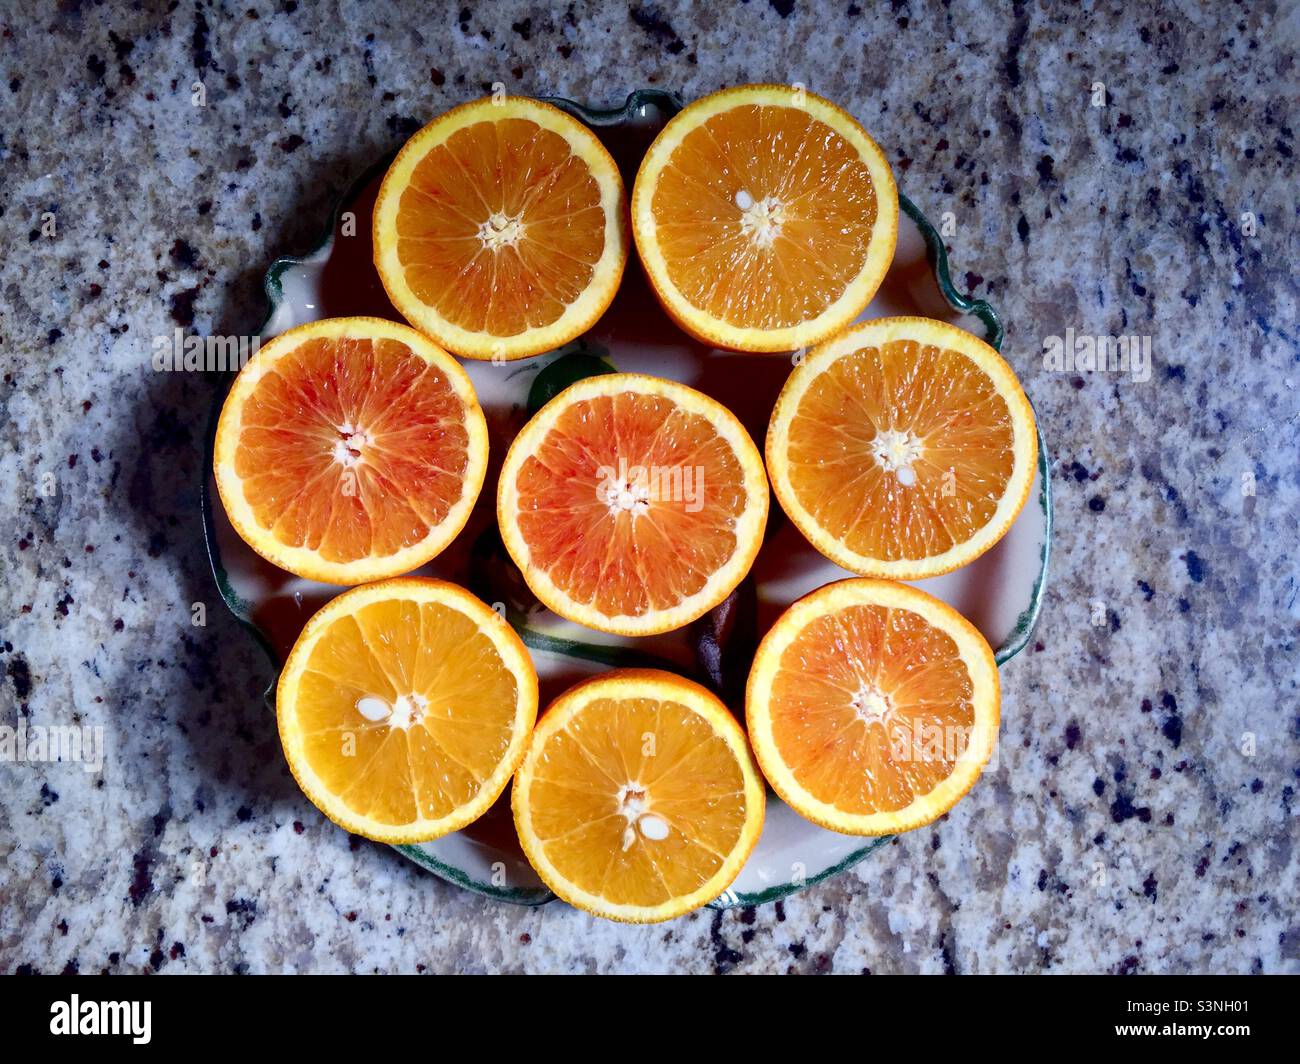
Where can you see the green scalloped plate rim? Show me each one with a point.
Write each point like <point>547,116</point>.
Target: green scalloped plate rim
<point>670,104</point>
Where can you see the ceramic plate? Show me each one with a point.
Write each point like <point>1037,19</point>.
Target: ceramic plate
<point>1000,592</point>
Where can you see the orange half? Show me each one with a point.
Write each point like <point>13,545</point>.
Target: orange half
<point>903,448</point>
<point>638,799</point>
<point>632,504</point>
<point>872,707</point>
<point>765,217</point>
<point>404,708</point>
<point>500,228</point>
<point>350,449</point>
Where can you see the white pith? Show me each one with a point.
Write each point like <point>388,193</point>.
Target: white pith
<point>634,806</point>
<point>896,451</point>
<point>627,496</point>
<point>870,704</point>
<point>403,712</point>
<point>760,221</point>
<point>349,448</point>
<point>500,231</point>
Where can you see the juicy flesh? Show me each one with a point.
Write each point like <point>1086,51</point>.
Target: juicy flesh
<point>637,800</point>
<point>764,216</point>
<point>902,451</point>
<point>352,448</point>
<point>871,707</point>
<point>450,701</point>
<point>500,228</point>
<point>630,502</point>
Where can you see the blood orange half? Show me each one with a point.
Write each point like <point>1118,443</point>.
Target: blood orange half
<point>872,706</point>
<point>632,504</point>
<point>350,449</point>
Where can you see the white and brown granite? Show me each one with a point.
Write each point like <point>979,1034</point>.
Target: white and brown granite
<point>1126,169</point>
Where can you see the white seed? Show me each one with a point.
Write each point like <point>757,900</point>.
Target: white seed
<point>744,200</point>
<point>373,708</point>
<point>629,837</point>
<point>653,828</point>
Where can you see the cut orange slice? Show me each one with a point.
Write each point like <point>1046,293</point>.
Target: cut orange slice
<point>632,504</point>
<point>872,706</point>
<point>404,708</point>
<point>903,448</point>
<point>350,449</point>
<point>500,229</point>
<point>766,218</point>
<point>638,800</point>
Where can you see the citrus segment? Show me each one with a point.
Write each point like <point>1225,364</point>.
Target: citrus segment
<point>638,799</point>
<point>350,449</point>
<point>872,706</point>
<point>766,218</point>
<point>499,228</point>
<point>404,708</point>
<point>903,448</point>
<point>632,504</point>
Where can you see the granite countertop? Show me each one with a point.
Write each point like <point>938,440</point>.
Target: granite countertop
<point>1129,170</point>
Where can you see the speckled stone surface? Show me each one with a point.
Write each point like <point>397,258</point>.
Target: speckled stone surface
<point>1143,814</point>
